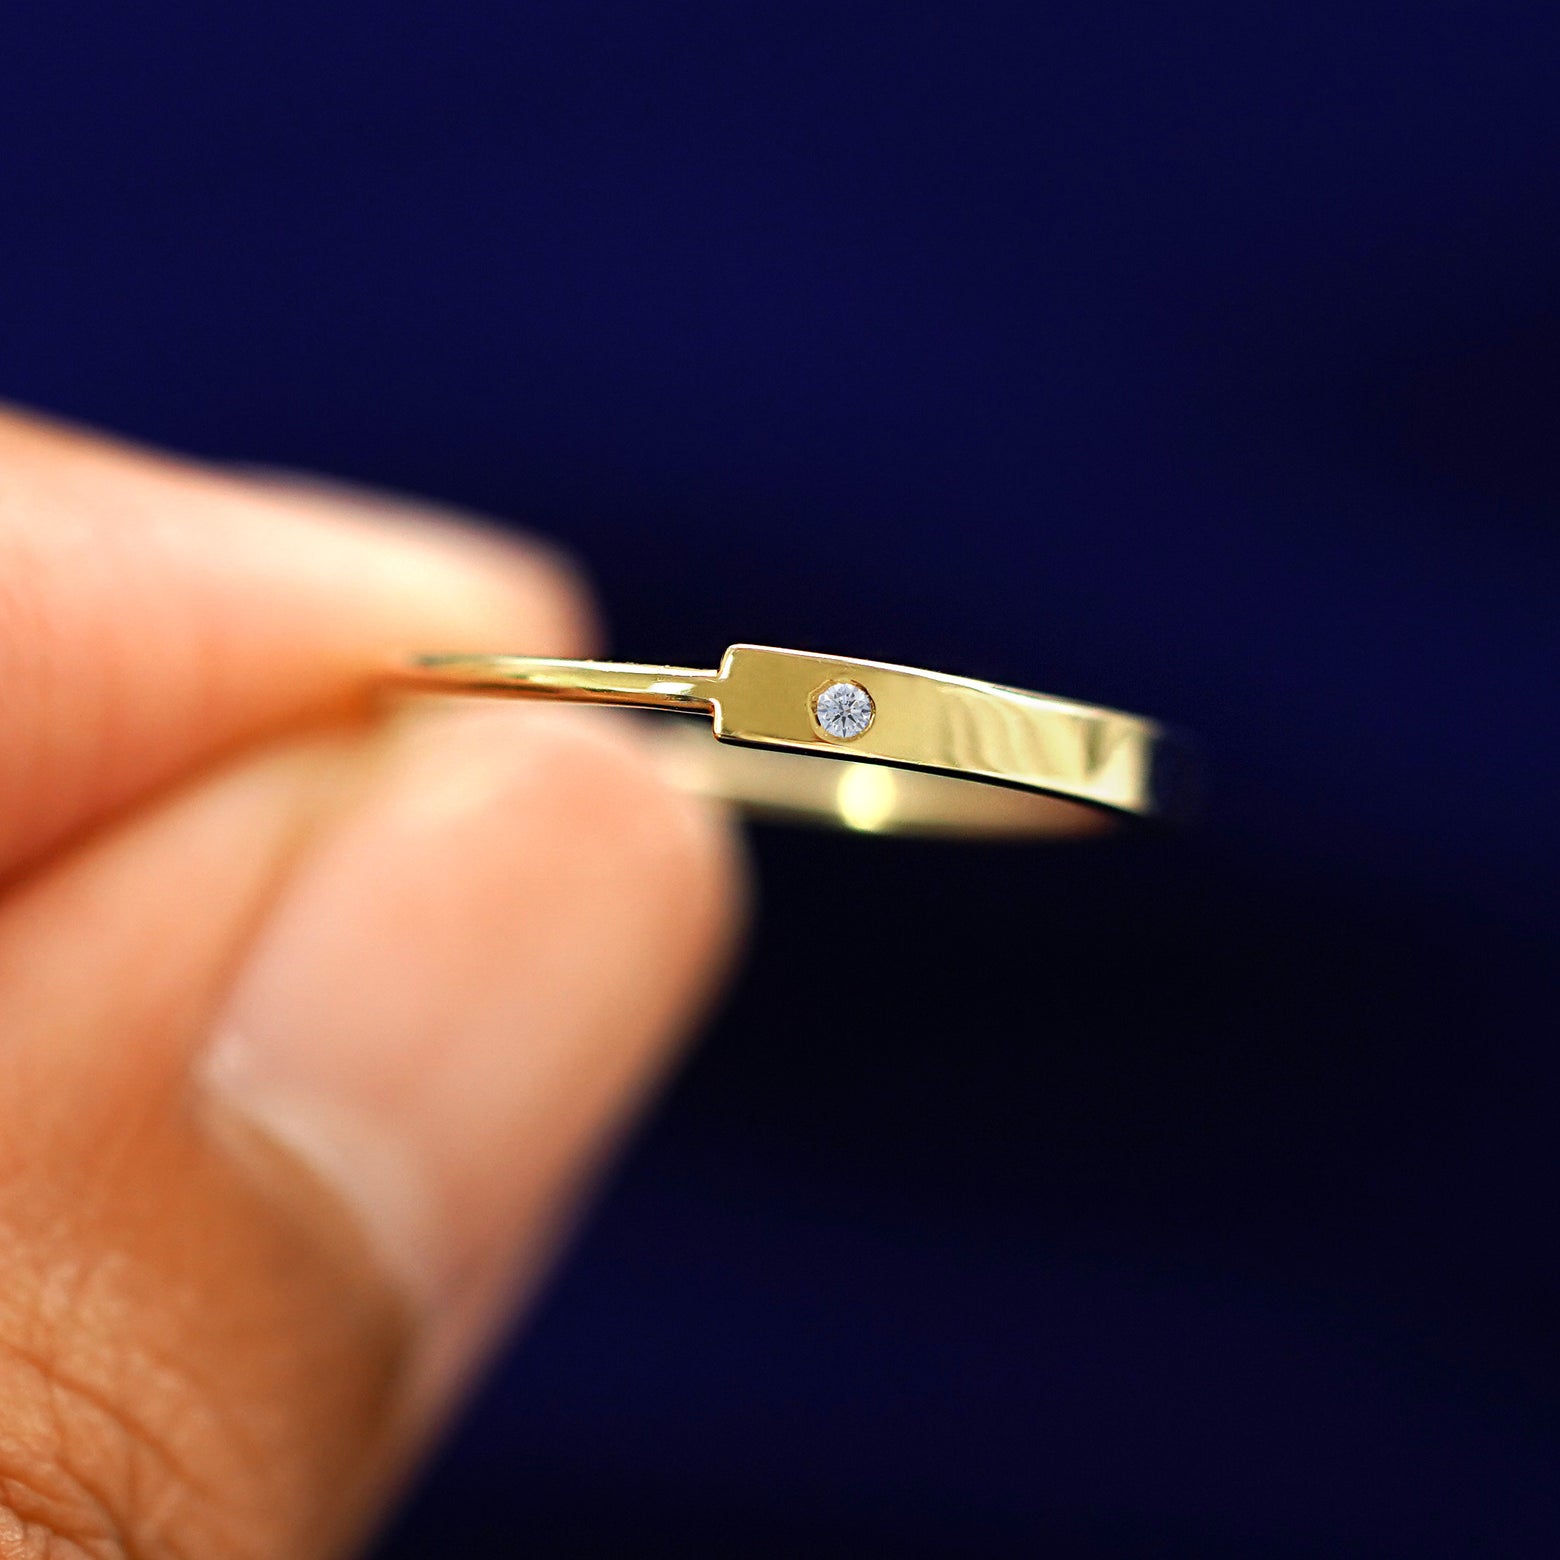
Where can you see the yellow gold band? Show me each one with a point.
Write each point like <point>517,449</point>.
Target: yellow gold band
<point>910,740</point>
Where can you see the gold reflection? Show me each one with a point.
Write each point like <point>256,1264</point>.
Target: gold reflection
<point>866,798</point>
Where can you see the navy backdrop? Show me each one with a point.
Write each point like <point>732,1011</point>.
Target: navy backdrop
<point>1188,1197</point>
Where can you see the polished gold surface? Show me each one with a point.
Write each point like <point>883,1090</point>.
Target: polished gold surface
<point>927,737</point>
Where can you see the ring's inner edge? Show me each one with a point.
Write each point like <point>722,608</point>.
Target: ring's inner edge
<point>867,798</point>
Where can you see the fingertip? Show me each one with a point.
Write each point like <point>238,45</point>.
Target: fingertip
<point>527,592</point>
<point>156,614</point>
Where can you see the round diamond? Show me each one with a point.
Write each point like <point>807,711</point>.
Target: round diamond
<point>844,710</point>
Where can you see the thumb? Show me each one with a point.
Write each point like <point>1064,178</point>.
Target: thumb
<point>245,1275</point>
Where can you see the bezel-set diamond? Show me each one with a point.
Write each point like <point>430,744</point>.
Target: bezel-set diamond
<point>843,710</point>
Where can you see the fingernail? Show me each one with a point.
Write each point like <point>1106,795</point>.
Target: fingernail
<point>473,979</point>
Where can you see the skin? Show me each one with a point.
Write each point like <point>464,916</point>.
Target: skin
<point>316,1014</point>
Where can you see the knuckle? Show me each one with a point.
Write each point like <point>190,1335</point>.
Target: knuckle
<point>65,1458</point>
<point>139,1418</point>
<point>41,1521</point>
<point>103,1447</point>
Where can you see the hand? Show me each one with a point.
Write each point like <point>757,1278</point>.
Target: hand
<point>312,1021</point>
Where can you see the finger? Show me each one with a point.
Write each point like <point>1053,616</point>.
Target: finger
<point>454,961</point>
<point>154,613</point>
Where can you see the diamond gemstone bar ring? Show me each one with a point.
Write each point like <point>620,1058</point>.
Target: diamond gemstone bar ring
<point>914,751</point>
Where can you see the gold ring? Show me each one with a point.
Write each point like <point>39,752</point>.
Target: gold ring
<point>912,741</point>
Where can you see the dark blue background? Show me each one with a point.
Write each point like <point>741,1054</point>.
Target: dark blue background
<point>1183,1197</point>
